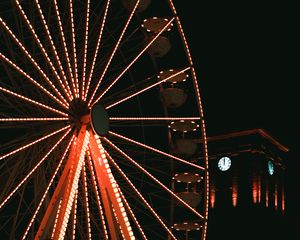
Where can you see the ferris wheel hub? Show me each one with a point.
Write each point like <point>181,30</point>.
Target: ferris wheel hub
<point>99,119</point>
<point>79,112</point>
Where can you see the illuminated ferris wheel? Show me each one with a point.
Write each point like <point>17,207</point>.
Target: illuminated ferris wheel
<point>101,127</point>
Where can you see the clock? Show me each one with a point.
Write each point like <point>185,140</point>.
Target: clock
<point>270,168</point>
<point>224,163</point>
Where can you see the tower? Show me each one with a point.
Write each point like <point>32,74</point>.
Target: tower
<point>247,186</point>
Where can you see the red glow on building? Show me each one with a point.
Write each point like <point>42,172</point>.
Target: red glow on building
<point>254,189</point>
<point>276,197</point>
<point>212,195</point>
<point>259,188</point>
<point>267,195</point>
<point>234,196</point>
<point>282,200</point>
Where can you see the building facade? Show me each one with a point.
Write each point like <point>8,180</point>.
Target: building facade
<point>247,186</point>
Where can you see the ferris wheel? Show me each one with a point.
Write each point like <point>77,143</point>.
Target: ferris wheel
<point>102,133</point>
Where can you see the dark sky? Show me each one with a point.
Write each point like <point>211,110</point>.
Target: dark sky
<point>244,55</point>
<point>243,64</point>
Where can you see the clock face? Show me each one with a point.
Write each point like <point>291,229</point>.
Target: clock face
<point>270,168</point>
<point>224,163</point>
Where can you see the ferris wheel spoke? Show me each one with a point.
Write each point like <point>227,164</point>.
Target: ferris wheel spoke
<point>21,71</point>
<point>96,50</point>
<point>153,178</point>
<point>153,118</point>
<point>65,86</point>
<point>146,88</point>
<point>85,48</point>
<point>28,55</point>
<point>32,119</point>
<point>156,150</point>
<point>53,46</point>
<point>138,193</point>
<point>74,48</point>
<point>62,35</point>
<point>96,190</point>
<point>114,51</point>
<point>34,142</point>
<point>33,170</point>
<point>47,188</point>
<point>26,99</point>
<point>86,202</point>
<point>132,215</point>
<point>132,62</point>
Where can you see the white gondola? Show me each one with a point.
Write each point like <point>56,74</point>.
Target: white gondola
<point>143,5</point>
<point>176,79</point>
<point>191,198</point>
<point>186,226</point>
<point>184,126</point>
<point>156,24</point>
<point>160,47</point>
<point>187,177</point>
<point>186,147</point>
<point>173,97</point>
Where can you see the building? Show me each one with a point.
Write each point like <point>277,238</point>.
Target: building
<point>247,186</point>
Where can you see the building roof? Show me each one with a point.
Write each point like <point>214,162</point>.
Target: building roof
<point>257,131</point>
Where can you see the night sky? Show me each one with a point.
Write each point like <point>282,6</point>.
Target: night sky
<point>243,54</point>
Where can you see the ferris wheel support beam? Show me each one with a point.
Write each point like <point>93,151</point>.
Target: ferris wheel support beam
<point>86,202</point>
<point>133,216</point>
<point>47,188</point>
<point>109,190</point>
<point>108,213</point>
<point>97,196</point>
<point>74,219</point>
<point>65,190</point>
